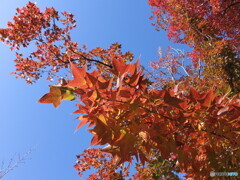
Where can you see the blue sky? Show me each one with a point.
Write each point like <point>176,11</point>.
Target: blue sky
<point>26,124</point>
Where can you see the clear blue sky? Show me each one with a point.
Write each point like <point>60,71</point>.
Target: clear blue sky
<point>25,124</point>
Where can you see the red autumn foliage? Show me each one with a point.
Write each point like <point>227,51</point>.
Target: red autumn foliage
<point>191,125</point>
<point>193,22</point>
<point>210,27</point>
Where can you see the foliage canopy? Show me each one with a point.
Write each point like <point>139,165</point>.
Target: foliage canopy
<point>176,118</point>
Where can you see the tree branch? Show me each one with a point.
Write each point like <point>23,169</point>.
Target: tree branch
<point>229,6</point>
<point>88,59</point>
<point>11,166</point>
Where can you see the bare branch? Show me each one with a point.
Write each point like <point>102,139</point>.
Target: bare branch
<point>170,72</point>
<point>11,166</point>
<point>182,66</point>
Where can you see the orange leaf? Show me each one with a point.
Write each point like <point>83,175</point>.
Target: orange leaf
<point>93,95</point>
<point>79,77</point>
<point>207,100</point>
<point>194,95</point>
<point>95,140</point>
<point>134,79</point>
<point>82,123</point>
<point>105,84</point>
<point>173,101</point>
<point>91,79</point>
<point>54,96</point>
<point>102,119</point>
<point>122,134</point>
<point>119,67</point>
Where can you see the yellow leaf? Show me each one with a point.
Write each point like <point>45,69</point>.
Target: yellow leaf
<point>102,119</point>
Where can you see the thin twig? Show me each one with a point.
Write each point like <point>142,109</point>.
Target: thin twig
<point>10,167</point>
